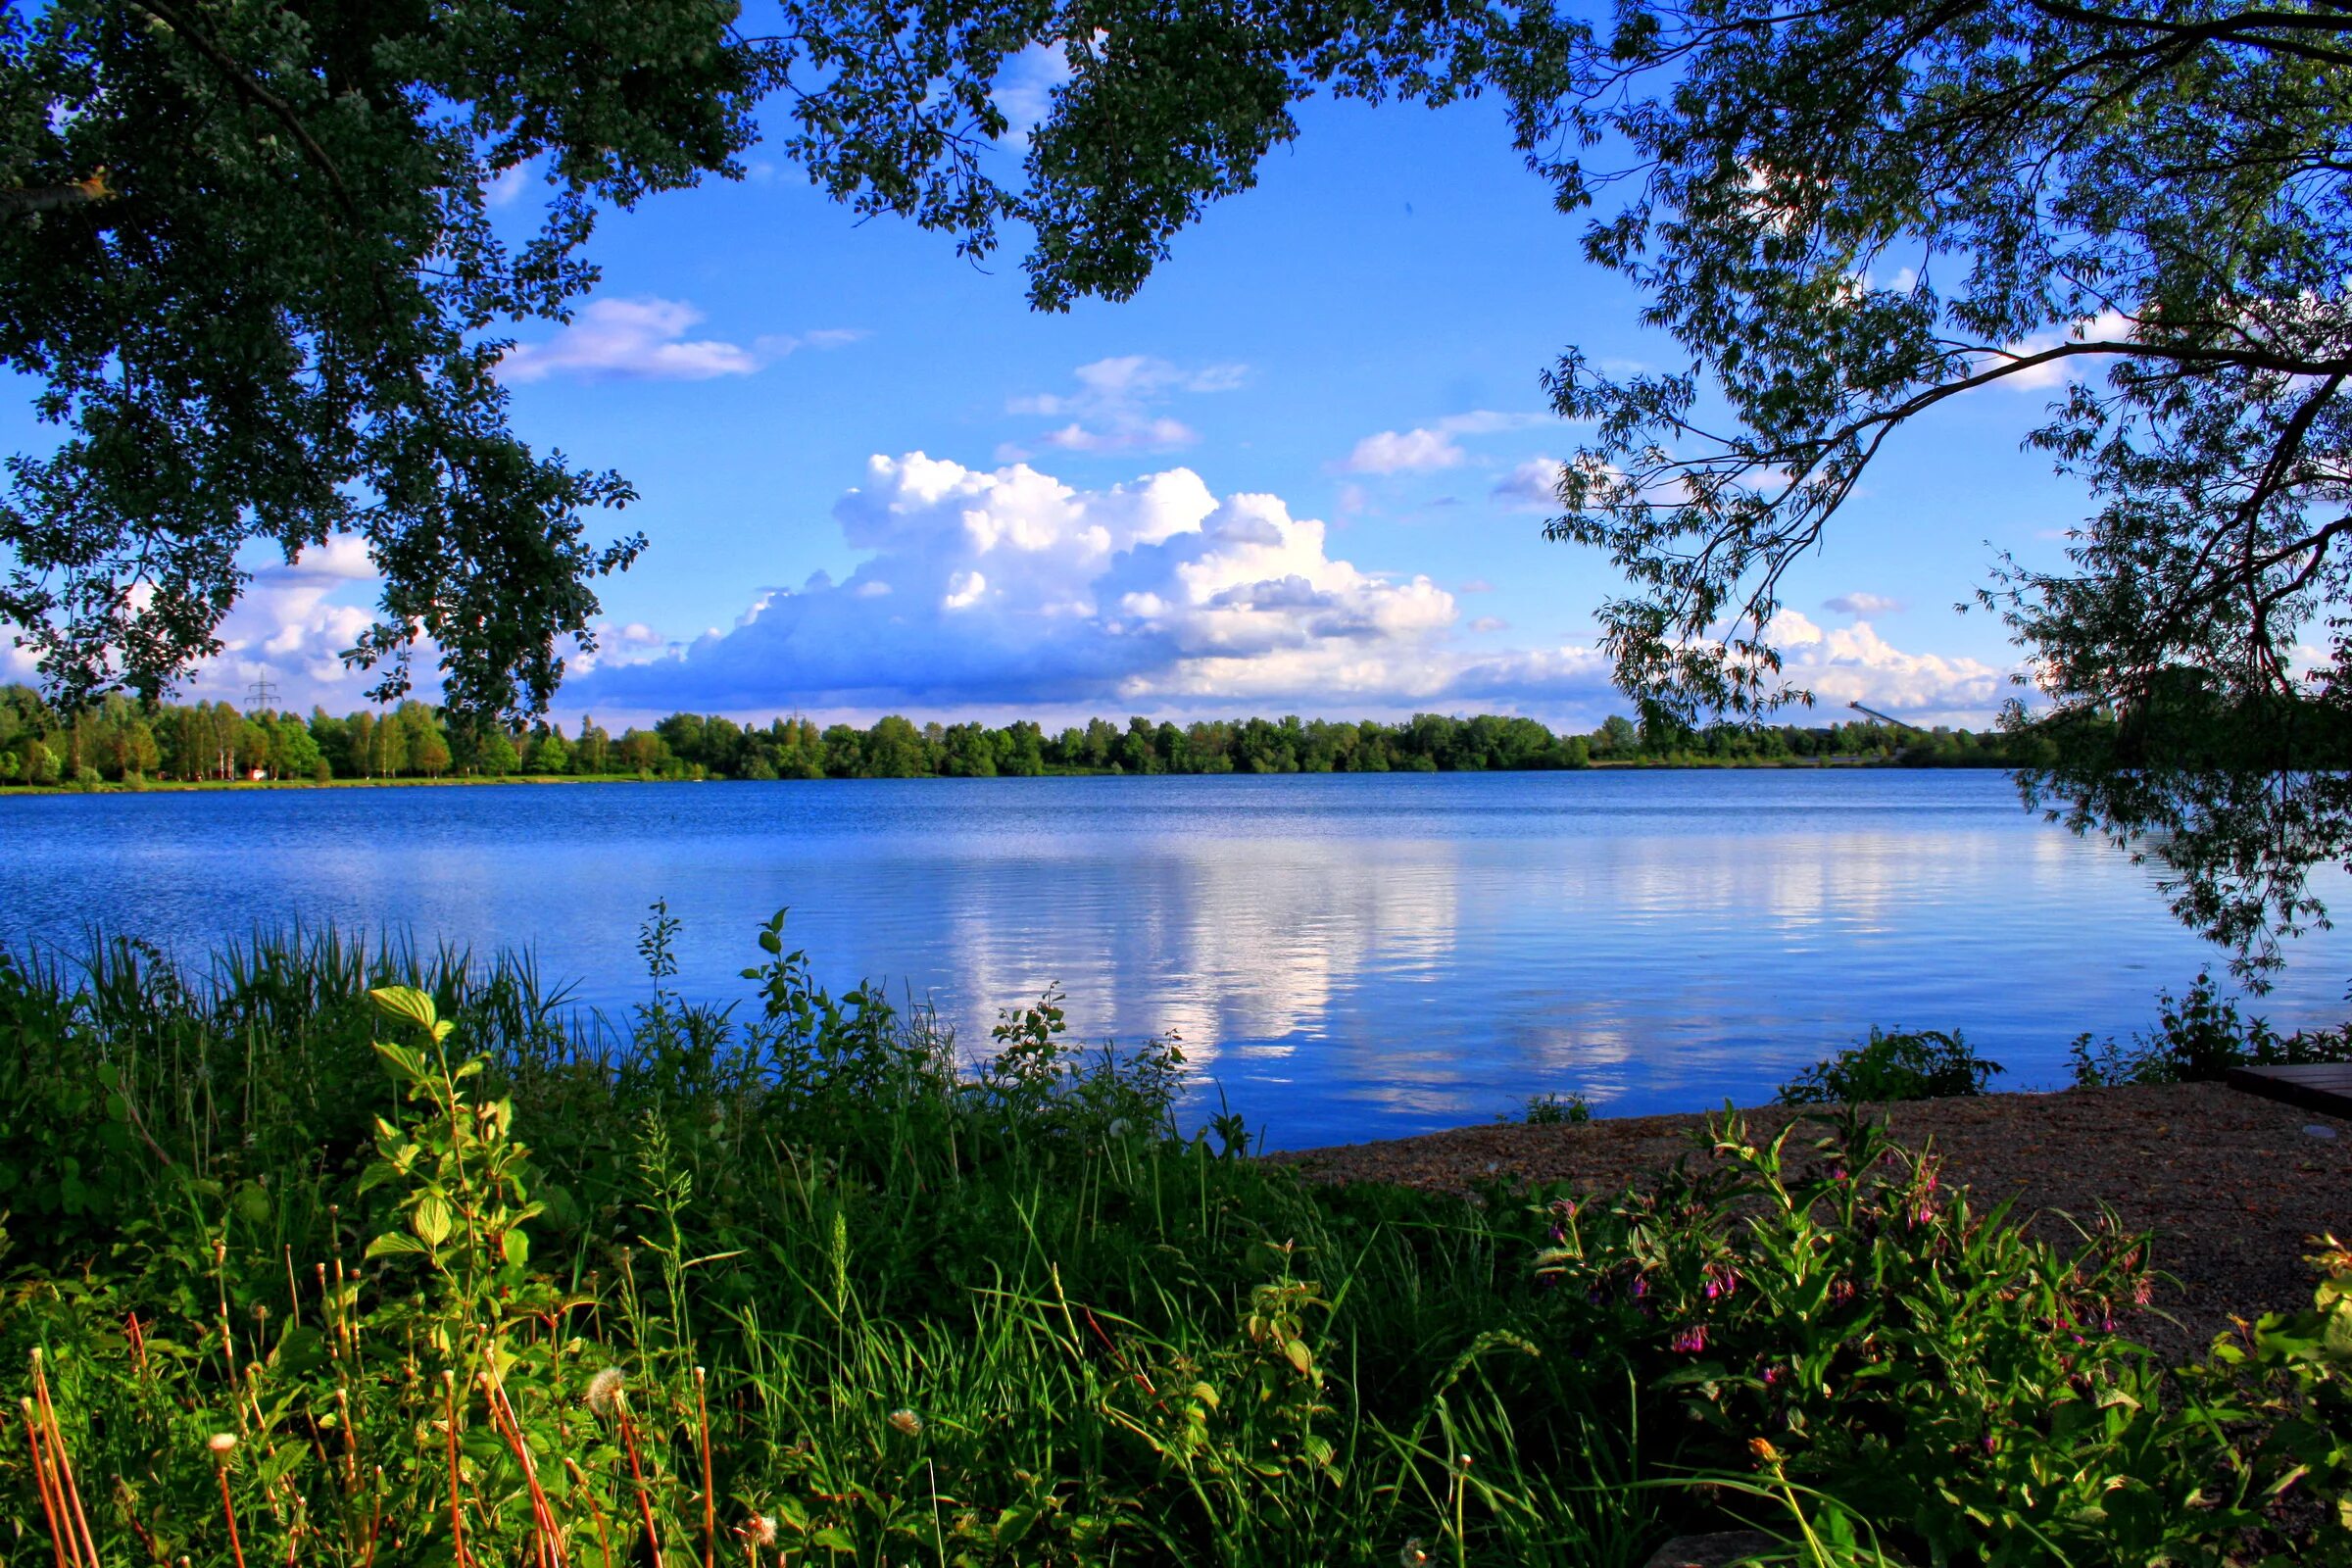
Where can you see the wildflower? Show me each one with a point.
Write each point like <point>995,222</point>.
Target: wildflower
<point>1772,1376</point>
<point>1764,1452</point>
<point>222,1443</point>
<point>1692,1339</point>
<point>1462,1461</point>
<point>1412,1554</point>
<point>762,1529</point>
<point>604,1390</point>
<point>905,1423</point>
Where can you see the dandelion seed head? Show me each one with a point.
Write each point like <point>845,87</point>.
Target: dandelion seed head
<point>905,1423</point>
<point>762,1529</point>
<point>222,1442</point>
<point>604,1390</point>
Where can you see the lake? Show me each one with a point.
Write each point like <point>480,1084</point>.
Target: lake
<point>1349,957</point>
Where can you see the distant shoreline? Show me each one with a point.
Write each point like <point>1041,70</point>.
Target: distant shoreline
<point>232,786</point>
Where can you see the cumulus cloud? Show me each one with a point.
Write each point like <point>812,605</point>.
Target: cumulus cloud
<point>1863,605</point>
<point>1531,486</point>
<point>1856,665</point>
<point>1416,451</point>
<point>1011,587</point>
<point>1009,590</point>
<point>645,339</point>
<point>1111,409</point>
<point>291,624</point>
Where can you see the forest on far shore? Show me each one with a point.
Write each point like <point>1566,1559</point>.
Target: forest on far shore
<point>118,741</point>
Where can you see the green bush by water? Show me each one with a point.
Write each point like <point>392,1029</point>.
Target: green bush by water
<point>1906,1064</point>
<point>379,1258</point>
<point>2198,1038</point>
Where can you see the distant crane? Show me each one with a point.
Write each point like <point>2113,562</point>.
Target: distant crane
<point>1887,719</point>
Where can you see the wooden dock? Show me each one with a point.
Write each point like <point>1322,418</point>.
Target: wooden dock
<point>2323,1087</point>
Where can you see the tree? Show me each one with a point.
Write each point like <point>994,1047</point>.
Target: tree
<point>1848,215</point>
<point>293,751</point>
<point>548,752</point>
<point>248,252</point>
<point>496,754</point>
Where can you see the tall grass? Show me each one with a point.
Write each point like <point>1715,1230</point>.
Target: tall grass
<point>340,1254</point>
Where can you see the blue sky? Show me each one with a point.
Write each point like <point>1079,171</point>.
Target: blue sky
<point>1299,473</point>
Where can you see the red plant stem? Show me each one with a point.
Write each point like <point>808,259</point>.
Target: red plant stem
<point>645,1502</point>
<point>579,1479</point>
<point>40,1479</point>
<point>702,1411</point>
<point>456,1509</point>
<point>501,1416</point>
<point>64,1466</point>
<point>236,1548</point>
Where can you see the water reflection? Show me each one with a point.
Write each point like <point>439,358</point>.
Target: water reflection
<point>1351,956</point>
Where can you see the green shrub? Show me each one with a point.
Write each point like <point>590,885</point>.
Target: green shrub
<point>1552,1111</point>
<point>1906,1064</point>
<point>2198,1038</point>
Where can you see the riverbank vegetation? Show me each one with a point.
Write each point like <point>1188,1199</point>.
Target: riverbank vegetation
<point>343,1255</point>
<point>119,741</point>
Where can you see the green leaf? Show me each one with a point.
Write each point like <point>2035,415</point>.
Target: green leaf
<point>517,1248</point>
<point>404,1060</point>
<point>392,1244</point>
<point>431,1218</point>
<point>406,1004</point>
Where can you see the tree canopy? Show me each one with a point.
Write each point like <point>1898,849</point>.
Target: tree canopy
<point>247,253</point>
<point>245,248</point>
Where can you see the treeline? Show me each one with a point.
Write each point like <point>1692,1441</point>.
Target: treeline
<point>118,741</point>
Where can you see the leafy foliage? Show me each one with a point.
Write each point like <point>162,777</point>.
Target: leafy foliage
<point>247,251</point>
<point>371,1253</point>
<point>2198,1038</point>
<point>1906,1065</point>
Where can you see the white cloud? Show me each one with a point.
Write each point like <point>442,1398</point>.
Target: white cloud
<point>2108,327</point>
<point>290,625</point>
<point>1857,664</point>
<point>1531,486</point>
<point>1010,591</point>
<point>1024,88</point>
<point>1416,451</point>
<point>1111,409</point>
<point>1863,604</point>
<point>1011,587</point>
<point>639,338</point>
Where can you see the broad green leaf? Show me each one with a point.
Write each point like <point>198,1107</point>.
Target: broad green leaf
<point>431,1218</point>
<point>406,1004</point>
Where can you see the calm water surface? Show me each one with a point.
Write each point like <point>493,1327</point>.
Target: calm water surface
<point>1349,956</point>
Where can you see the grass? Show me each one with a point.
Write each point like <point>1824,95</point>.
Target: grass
<point>354,1255</point>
